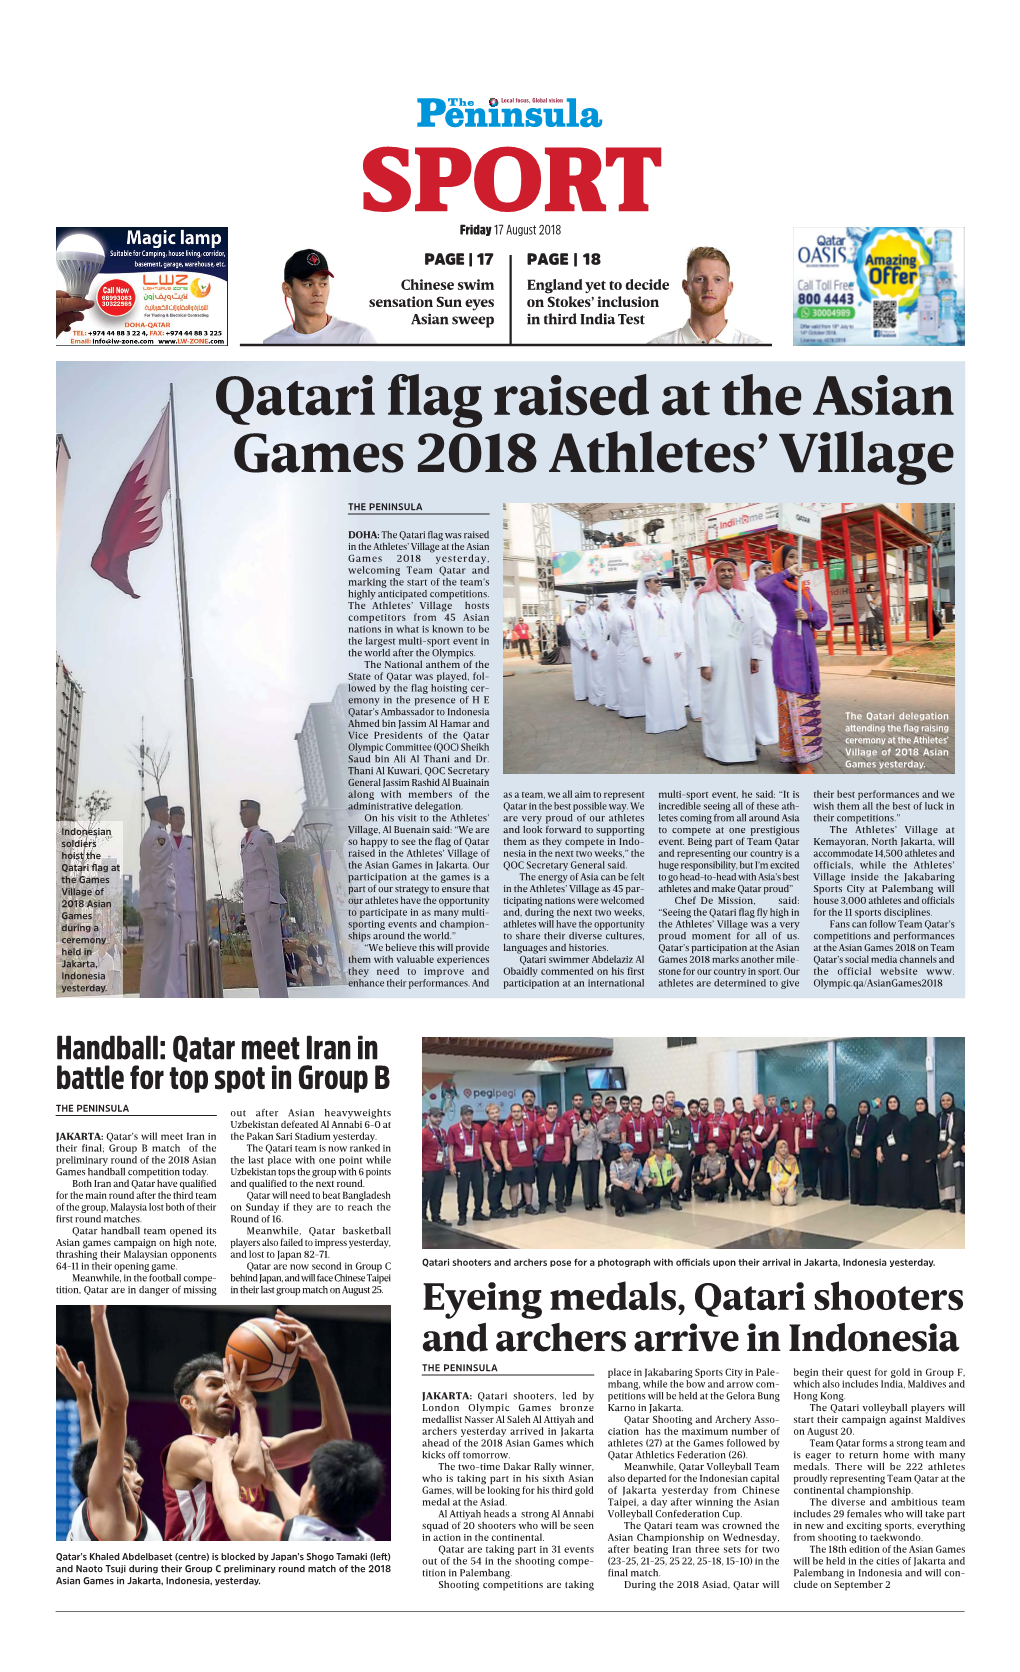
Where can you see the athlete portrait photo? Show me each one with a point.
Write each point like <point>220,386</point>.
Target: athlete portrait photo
<point>305,289</point>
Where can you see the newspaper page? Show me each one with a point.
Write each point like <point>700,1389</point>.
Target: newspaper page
<point>353,706</point>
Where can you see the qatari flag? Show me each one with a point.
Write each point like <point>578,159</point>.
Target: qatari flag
<point>135,518</point>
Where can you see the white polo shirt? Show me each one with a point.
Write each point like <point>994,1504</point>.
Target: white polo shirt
<point>337,331</point>
<point>727,337</point>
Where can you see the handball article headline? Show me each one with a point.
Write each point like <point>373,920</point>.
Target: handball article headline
<point>93,1061</point>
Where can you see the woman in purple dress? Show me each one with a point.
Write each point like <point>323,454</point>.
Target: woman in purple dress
<point>795,663</point>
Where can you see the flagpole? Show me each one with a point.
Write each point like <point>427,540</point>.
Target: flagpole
<point>194,783</point>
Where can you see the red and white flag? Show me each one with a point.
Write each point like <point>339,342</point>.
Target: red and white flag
<point>135,518</point>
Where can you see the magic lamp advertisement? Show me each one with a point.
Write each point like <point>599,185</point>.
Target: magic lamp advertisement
<point>145,286</point>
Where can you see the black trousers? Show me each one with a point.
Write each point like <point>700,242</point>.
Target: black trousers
<point>469,1181</point>
<point>590,1182</point>
<point>570,1171</point>
<point>496,1181</point>
<point>684,1160</point>
<point>707,1189</point>
<point>610,1153</point>
<point>432,1194</point>
<point>627,1199</point>
<point>657,1193</point>
<point>808,1159</point>
<point>524,646</point>
<point>545,1174</point>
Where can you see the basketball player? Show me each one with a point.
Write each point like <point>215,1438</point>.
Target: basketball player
<point>344,1483</point>
<point>105,1469</point>
<point>209,1390</point>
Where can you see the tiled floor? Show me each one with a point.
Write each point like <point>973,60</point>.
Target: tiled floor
<point>545,730</point>
<point>731,1224</point>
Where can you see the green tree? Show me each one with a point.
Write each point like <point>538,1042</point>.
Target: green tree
<point>296,882</point>
<point>95,806</point>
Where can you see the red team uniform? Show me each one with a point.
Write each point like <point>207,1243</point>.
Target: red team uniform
<point>192,1516</point>
<point>637,1130</point>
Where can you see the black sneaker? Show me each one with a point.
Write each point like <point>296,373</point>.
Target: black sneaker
<point>481,1216</point>
<point>530,1209</point>
<point>462,1222</point>
<point>513,1213</point>
<point>561,1207</point>
<point>619,1213</point>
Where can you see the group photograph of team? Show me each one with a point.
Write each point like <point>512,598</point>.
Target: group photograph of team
<point>183,1425</point>
<point>613,1168</point>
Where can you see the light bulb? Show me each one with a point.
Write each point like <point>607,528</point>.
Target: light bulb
<point>80,258</point>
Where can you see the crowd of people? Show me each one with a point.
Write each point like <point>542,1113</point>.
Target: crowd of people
<point>633,1159</point>
<point>737,654</point>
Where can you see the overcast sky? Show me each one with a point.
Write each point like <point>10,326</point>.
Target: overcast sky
<point>265,573</point>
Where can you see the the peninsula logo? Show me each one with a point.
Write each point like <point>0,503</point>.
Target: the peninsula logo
<point>507,113</point>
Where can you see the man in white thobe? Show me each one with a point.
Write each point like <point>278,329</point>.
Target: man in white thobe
<point>662,648</point>
<point>157,900</point>
<point>262,897</point>
<point>578,637</point>
<point>187,921</point>
<point>687,628</point>
<point>728,645</point>
<point>766,707</point>
<point>596,626</point>
<point>629,666</point>
<point>610,608</point>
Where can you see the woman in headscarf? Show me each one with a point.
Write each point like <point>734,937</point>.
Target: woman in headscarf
<point>630,687</point>
<point>924,1153</point>
<point>832,1156</point>
<point>783,1172</point>
<point>893,1157</point>
<point>951,1160</point>
<point>862,1169</point>
<point>795,662</point>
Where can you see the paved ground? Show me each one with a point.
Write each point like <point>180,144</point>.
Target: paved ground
<point>811,1224</point>
<point>545,730</point>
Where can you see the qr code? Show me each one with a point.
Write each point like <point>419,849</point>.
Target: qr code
<point>883,317</point>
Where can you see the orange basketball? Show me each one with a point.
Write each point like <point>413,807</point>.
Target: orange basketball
<point>267,1348</point>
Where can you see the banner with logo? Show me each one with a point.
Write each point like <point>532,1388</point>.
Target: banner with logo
<point>610,567</point>
<point>147,286</point>
<point>449,1092</point>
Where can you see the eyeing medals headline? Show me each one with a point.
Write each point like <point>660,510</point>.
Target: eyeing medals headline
<point>405,395</point>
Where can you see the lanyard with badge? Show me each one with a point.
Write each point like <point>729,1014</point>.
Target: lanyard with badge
<point>737,625</point>
<point>468,1144</point>
<point>519,1139</point>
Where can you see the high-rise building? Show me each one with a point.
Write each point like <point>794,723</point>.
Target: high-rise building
<point>322,748</point>
<point>520,574</point>
<point>70,698</point>
<point>940,527</point>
